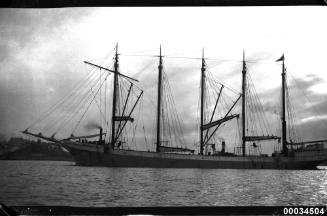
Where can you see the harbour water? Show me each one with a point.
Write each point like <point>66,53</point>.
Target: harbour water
<point>63,183</point>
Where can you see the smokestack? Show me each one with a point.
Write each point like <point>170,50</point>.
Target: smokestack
<point>100,137</point>
<point>223,145</point>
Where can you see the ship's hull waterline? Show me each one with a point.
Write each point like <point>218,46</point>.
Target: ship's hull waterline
<point>91,155</point>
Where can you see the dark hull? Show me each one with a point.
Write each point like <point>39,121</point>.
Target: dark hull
<point>94,156</point>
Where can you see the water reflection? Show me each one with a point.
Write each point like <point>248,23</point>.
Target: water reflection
<point>59,183</point>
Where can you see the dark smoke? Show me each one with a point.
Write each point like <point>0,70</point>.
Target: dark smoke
<point>92,125</point>
<point>3,138</point>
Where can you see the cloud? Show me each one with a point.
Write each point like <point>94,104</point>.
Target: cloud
<point>42,52</point>
<point>308,107</point>
<point>29,82</point>
<point>312,130</point>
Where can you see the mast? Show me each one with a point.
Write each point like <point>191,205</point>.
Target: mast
<point>114,100</point>
<point>284,142</point>
<point>159,101</point>
<point>202,102</point>
<point>243,103</point>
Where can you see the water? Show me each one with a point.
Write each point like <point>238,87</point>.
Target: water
<point>62,183</point>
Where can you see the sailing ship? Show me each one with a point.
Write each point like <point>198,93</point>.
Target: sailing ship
<point>304,155</point>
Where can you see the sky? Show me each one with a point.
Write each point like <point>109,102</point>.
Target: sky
<point>42,53</point>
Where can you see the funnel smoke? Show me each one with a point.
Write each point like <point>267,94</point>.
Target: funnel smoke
<point>92,125</point>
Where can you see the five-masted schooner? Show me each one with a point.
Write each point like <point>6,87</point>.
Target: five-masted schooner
<point>108,154</point>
